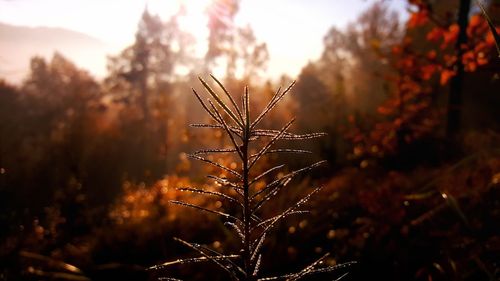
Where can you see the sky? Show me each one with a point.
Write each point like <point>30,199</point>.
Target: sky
<point>292,29</point>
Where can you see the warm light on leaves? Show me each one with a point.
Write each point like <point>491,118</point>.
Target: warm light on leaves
<point>446,76</point>
<point>408,111</point>
<point>418,19</point>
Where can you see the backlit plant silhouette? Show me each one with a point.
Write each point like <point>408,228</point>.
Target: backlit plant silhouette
<point>239,188</point>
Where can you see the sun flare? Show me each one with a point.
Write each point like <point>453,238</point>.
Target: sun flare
<point>193,19</point>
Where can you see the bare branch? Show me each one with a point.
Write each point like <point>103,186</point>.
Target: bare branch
<point>289,210</point>
<point>284,150</point>
<point>237,229</point>
<point>233,129</point>
<point>228,131</point>
<point>169,279</point>
<point>191,260</point>
<point>205,106</point>
<point>185,204</point>
<point>266,173</point>
<point>275,187</point>
<point>257,266</point>
<point>246,99</point>
<point>272,103</point>
<point>229,96</point>
<point>270,143</point>
<point>219,150</point>
<point>315,271</point>
<point>291,175</point>
<point>199,248</point>
<point>221,103</point>
<point>286,136</point>
<point>213,193</point>
<point>274,97</point>
<point>196,157</point>
<point>327,269</point>
<point>226,182</point>
<point>209,126</point>
<point>270,220</point>
<point>308,269</point>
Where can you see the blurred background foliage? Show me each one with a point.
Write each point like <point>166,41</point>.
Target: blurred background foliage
<point>412,190</point>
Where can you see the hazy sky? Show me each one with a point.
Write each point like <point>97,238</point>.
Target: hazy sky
<point>293,29</point>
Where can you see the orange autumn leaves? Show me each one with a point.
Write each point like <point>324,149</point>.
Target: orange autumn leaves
<point>418,18</point>
<point>476,52</point>
<point>420,69</point>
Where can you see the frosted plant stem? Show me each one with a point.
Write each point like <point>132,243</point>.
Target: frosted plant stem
<point>246,191</point>
<point>249,224</point>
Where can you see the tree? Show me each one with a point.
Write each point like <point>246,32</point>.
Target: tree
<point>455,98</point>
<point>142,82</point>
<point>50,138</point>
<point>319,107</point>
<point>149,67</point>
<point>423,62</point>
<point>234,46</point>
<point>352,72</point>
<point>359,57</point>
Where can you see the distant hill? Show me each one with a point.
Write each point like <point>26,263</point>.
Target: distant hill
<point>19,43</point>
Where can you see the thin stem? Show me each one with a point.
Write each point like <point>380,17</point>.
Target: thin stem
<point>246,189</point>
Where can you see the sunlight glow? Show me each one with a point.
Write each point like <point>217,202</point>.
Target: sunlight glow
<point>285,25</point>
<point>193,19</point>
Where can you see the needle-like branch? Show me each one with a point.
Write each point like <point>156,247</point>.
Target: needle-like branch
<point>221,103</point>
<point>196,157</point>
<point>270,143</point>
<point>272,103</point>
<point>185,204</point>
<point>257,178</point>
<point>229,96</point>
<point>205,106</point>
<point>212,193</point>
<point>228,131</point>
<point>201,249</point>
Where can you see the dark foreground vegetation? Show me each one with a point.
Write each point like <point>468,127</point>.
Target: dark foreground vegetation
<point>411,190</point>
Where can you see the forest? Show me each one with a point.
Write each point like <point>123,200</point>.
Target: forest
<point>392,157</point>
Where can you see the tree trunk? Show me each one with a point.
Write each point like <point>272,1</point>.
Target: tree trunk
<point>455,97</point>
